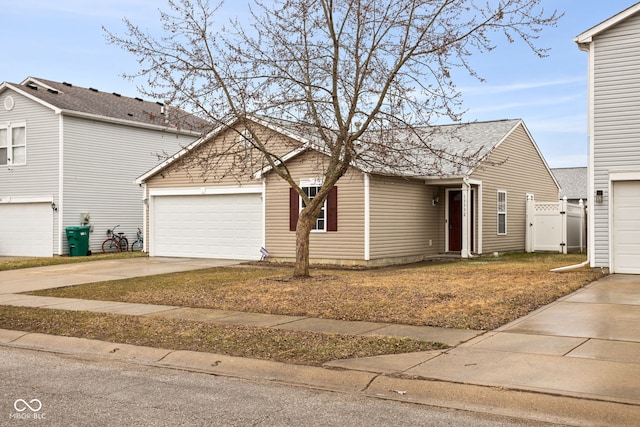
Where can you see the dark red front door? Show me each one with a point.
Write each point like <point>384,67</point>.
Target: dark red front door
<point>455,221</point>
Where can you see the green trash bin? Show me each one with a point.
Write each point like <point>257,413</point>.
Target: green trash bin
<point>78,238</point>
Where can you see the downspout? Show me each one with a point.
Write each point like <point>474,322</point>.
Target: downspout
<point>61,198</point>
<point>367,217</point>
<point>589,48</point>
<point>570,267</point>
<point>145,215</point>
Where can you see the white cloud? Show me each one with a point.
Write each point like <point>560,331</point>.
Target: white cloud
<point>516,87</point>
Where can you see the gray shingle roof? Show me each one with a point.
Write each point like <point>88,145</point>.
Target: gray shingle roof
<point>465,146</point>
<point>438,151</point>
<point>573,182</point>
<point>66,96</point>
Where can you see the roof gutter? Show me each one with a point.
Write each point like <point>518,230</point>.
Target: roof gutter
<point>130,123</point>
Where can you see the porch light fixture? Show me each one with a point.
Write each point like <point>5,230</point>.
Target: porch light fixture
<point>54,207</point>
<point>599,194</point>
<point>435,200</point>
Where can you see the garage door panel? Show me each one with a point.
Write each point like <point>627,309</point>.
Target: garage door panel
<point>26,229</point>
<point>626,227</point>
<point>208,226</point>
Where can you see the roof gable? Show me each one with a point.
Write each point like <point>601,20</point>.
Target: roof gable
<point>69,99</point>
<point>477,139</point>
<point>587,36</point>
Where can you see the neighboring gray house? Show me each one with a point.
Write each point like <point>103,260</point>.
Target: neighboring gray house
<point>573,183</point>
<point>613,47</point>
<point>70,155</point>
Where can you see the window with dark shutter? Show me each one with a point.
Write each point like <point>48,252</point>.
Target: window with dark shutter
<point>332,210</point>
<point>294,209</point>
<point>327,218</point>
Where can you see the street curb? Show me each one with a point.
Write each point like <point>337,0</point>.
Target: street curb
<point>521,404</point>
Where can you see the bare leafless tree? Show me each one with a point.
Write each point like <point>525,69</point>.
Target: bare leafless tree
<point>361,78</point>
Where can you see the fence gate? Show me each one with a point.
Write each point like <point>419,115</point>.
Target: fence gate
<point>555,226</point>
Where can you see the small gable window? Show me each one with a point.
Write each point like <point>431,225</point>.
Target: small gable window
<point>13,144</point>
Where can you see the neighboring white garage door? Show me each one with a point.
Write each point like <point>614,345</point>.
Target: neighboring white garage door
<point>626,227</point>
<point>225,226</point>
<point>26,229</point>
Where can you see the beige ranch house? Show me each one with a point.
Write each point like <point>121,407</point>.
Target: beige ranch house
<point>196,207</point>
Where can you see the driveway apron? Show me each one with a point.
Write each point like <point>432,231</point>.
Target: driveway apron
<point>56,276</point>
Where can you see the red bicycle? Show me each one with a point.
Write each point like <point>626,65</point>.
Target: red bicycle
<point>115,242</point>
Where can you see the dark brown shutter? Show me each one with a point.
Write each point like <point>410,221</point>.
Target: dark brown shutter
<point>294,209</point>
<point>332,209</point>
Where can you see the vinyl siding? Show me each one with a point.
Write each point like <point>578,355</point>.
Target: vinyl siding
<point>616,119</point>
<point>516,167</point>
<point>345,244</point>
<point>188,173</point>
<point>204,166</point>
<point>403,218</point>
<point>102,161</point>
<point>39,176</point>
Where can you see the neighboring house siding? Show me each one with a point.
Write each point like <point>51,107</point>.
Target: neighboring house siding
<point>403,219</point>
<point>345,244</point>
<point>39,176</point>
<point>516,167</point>
<point>102,161</point>
<point>616,118</point>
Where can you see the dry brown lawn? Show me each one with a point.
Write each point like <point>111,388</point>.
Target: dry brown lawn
<point>297,347</point>
<point>476,294</point>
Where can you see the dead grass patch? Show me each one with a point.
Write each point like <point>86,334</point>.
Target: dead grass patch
<point>307,348</point>
<point>475,294</point>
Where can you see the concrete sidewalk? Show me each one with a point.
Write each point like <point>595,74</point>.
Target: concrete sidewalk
<point>451,337</point>
<point>586,346</point>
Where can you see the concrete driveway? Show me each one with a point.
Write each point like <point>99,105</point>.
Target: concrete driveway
<point>56,276</point>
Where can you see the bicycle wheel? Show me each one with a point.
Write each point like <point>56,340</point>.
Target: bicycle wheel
<point>110,245</point>
<point>136,246</point>
<point>124,244</point>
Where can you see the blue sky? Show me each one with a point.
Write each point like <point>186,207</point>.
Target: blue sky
<point>64,41</point>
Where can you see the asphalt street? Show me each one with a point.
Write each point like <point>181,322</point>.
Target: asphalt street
<point>49,389</point>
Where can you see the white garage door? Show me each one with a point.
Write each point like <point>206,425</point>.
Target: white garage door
<point>26,229</point>
<point>225,226</point>
<point>626,227</point>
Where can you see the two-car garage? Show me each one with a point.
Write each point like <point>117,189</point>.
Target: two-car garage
<point>223,223</point>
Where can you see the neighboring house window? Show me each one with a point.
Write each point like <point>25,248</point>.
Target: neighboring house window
<point>502,212</point>
<point>327,219</point>
<point>13,145</point>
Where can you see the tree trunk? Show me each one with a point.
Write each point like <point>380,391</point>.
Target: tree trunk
<point>303,231</point>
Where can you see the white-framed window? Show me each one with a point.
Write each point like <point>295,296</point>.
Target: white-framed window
<point>13,144</point>
<point>502,212</point>
<point>311,187</point>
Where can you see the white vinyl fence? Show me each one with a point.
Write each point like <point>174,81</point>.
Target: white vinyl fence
<point>555,226</point>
